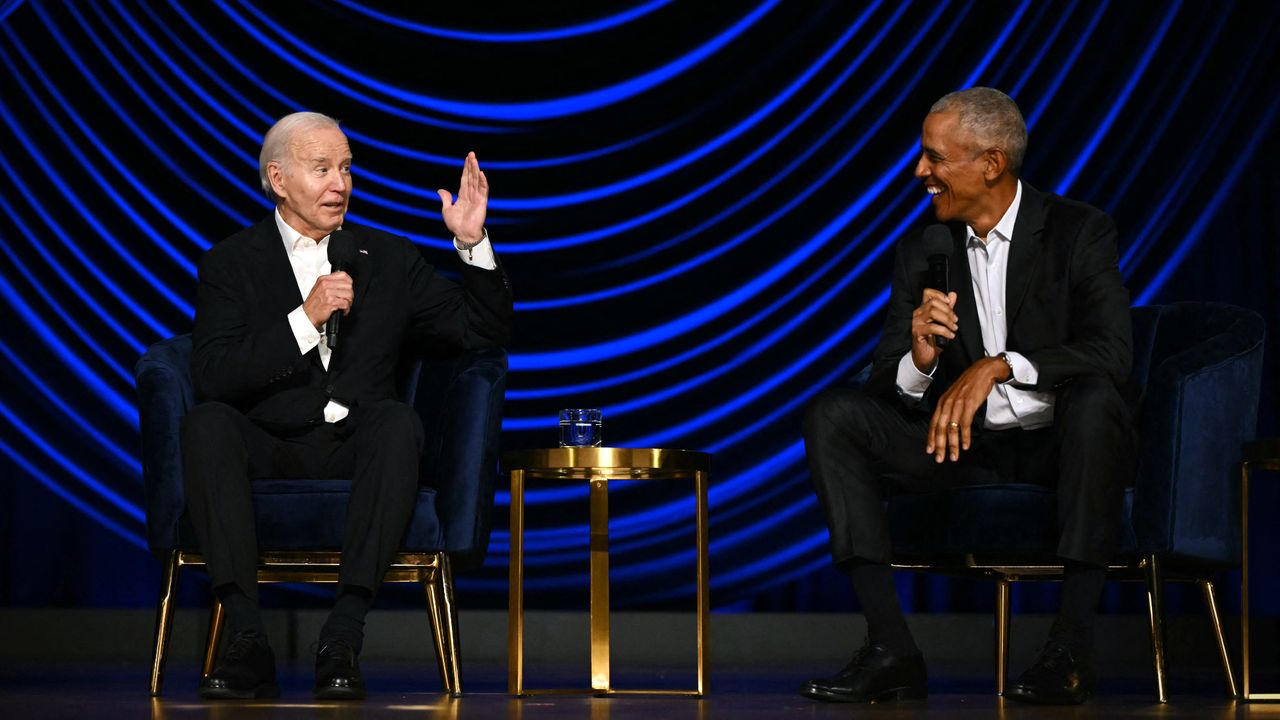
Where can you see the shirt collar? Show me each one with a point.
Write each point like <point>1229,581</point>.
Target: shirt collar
<point>291,238</point>
<point>1004,228</point>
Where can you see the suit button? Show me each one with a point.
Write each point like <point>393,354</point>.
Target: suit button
<point>328,390</point>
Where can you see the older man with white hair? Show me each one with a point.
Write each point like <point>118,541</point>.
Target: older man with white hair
<point>277,398</point>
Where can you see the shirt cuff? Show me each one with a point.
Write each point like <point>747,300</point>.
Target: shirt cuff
<point>1024,371</point>
<point>335,411</point>
<point>912,382</point>
<point>303,331</point>
<point>479,255</point>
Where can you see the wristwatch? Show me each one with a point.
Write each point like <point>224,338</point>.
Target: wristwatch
<point>1007,361</point>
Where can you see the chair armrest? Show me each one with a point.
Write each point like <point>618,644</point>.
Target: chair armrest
<point>165,393</point>
<point>460,401</point>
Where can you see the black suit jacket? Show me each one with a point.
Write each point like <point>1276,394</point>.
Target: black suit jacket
<point>244,352</point>
<point>1067,309</point>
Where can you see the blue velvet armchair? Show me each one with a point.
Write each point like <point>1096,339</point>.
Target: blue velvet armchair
<point>1195,383</point>
<point>299,522</point>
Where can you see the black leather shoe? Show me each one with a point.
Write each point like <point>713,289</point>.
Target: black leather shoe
<point>338,672</point>
<point>874,675</point>
<point>1059,676</point>
<point>246,670</point>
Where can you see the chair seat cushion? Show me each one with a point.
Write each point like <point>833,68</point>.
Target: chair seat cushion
<point>310,514</point>
<point>1006,520</point>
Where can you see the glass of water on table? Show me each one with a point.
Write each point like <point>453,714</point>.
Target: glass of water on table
<point>580,427</point>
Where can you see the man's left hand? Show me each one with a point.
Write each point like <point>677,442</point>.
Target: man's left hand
<point>465,217</point>
<point>949,430</point>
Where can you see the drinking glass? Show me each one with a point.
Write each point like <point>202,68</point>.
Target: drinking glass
<point>580,427</point>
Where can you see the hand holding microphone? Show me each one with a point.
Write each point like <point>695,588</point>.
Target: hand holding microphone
<point>342,255</point>
<point>934,322</point>
<point>330,298</point>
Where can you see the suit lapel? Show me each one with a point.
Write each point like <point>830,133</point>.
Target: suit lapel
<point>970,334</point>
<point>1024,250</point>
<point>361,270</point>
<point>273,272</point>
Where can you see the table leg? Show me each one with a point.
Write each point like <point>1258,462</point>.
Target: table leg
<point>599,584</point>
<point>515,578</point>
<point>701,480</point>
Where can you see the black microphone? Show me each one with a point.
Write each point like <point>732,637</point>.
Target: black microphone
<point>938,247</point>
<point>342,255</point>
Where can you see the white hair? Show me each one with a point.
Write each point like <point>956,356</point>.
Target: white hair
<point>275,145</point>
<point>992,117</point>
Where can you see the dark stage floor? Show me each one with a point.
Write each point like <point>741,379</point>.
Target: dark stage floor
<point>404,691</point>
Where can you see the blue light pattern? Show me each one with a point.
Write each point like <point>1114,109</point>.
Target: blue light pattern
<point>696,203</point>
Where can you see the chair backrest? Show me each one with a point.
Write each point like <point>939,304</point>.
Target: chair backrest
<point>459,399</point>
<point>1198,367</point>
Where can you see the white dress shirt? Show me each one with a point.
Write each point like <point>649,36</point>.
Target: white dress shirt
<point>310,259</point>
<point>1010,404</point>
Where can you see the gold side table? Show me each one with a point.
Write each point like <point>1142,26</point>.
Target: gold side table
<point>1261,455</point>
<point>599,465</point>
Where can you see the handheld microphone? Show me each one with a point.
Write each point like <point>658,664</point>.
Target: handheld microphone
<point>938,247</point>
<point>342,255</point>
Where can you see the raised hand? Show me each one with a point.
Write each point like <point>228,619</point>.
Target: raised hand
<point>465,216</point>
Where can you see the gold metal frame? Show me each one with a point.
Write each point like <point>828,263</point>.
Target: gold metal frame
<point>1264,455</point>
<point>1148,569</point>
<point>430,569</point>
<point>599,465</point>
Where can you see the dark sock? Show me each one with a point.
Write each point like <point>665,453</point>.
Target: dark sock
<point>241,612</point>
<point>346,622</point>
<point>1081,592</point>
<point>886,625</point>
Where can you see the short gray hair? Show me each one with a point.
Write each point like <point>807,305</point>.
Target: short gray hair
<point>992,117</point>
<point>275,145</point>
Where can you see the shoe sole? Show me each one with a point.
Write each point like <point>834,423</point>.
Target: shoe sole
<point>1035,699</point>
<point>266,690</point>
<point>894,695</point>
<point>338,693</point>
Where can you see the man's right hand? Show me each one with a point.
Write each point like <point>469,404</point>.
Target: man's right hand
<point>935,316</point>
<point>331,292</point>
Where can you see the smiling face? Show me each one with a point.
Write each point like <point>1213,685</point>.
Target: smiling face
<point>954,170</point>
<point>314,183</point>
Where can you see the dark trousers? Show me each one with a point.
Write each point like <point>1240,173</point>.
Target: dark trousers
<point>863,449</point>
<point>378,447</point>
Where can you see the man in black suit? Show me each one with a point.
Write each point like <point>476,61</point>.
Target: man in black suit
<point>278,401</point>
<point>1038,340</point>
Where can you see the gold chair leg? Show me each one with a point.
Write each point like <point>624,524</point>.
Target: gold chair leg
<point>164,620</point>
<point>213,639</point>
<point>1003,616</point>
<point>1155,612</point>
<point>1211,604</point>
<point>515,589</point>
<point>1244,581</point>
<point>444,624</point>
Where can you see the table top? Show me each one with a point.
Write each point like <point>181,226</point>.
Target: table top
<point>638,463</point>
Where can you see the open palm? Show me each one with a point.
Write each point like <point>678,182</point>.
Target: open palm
<point>465,216</point>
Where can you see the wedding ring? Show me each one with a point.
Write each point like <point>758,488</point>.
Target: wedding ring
<point>953,425</point>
